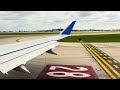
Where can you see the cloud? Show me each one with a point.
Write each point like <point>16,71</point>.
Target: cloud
<point>42,20</point>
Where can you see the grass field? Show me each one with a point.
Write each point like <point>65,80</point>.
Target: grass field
<point>93,38</point>
<point>85,38</point>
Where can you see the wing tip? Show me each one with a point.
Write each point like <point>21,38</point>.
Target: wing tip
<point>68,30</point>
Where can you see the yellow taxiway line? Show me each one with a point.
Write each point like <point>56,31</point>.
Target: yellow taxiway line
<point>111,70</point>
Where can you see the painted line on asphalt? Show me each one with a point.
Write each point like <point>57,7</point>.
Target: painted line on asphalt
<point>100,63</point>
<point>105,62</point>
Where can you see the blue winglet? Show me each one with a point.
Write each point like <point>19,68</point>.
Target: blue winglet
<point>68,30</point>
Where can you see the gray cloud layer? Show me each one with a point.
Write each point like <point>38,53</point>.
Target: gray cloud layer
<point>38,20</point>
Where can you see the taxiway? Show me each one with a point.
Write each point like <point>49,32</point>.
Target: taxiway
<point>68,54</point>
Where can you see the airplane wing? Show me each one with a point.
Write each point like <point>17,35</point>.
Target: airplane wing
<point>14,56</point>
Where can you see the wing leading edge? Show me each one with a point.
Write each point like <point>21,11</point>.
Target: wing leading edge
<point>14,56</point>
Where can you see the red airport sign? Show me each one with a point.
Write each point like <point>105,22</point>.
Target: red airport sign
<point>67,72</point>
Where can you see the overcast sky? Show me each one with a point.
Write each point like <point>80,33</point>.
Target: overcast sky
<point>47,20</point>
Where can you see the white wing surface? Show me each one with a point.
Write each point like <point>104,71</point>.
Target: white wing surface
<point>14,56</point>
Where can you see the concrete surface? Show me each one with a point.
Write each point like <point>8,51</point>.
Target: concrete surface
<point>112,49</point>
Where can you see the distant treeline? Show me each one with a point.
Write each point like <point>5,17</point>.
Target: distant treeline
<point>59,30</point>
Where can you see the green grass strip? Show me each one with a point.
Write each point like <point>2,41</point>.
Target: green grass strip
<point>93,38</point>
